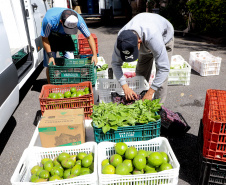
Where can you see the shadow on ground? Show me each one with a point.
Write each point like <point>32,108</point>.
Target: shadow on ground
<point>185,149</point>
<point>30,82</point>
<point>6,133</point>
<point>37,85</point>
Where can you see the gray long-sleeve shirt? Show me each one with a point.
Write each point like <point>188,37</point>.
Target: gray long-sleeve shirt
<point>154,31</point>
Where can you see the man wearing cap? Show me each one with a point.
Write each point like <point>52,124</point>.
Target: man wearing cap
<point>147,37</point>
<point>57,26</point>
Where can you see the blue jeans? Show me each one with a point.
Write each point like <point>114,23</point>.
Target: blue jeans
<point>66,54</point>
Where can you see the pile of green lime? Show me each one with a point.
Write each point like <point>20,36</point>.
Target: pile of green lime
<point>130,161</point>
<point>64,166</point>
<point>70,94</point>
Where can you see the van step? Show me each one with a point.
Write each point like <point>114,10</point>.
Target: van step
<point>24,69</point>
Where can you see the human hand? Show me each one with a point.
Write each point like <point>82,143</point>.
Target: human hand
<point>149,94</point>
<point>129,93</point>
<point>51,59</point>
<point>95,60</point>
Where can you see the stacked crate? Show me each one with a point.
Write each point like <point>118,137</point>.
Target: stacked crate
<point>212,139</point>
<point>84,48</point>
<point>205,63</point>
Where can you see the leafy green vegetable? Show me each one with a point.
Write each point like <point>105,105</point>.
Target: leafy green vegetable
<point>112,115</point>
<point>103,67</point>
<point>127,65</point>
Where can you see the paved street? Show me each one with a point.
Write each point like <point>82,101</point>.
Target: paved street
<point>188,100</point>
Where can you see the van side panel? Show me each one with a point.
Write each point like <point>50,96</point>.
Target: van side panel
<point>8,81</point>
<point>8,107</point>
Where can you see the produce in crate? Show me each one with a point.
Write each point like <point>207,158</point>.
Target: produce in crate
<point>64,166</point>
<point>112,115</point>
<point>127,65</point>
<point>128,161</point>
<point>69,94</point>
<point>102,68</point>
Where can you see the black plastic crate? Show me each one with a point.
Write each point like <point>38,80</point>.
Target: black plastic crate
<point>211,172</point>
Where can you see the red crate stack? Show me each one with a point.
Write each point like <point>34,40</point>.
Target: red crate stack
<point>84,48</point>
<point>214,123</point>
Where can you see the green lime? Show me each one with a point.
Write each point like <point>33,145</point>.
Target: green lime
<point>73,90</point>
<point>67,94</point>
<point>60,95</point>
<point>74,95</point>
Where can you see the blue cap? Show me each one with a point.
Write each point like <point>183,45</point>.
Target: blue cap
<point>127,43</point>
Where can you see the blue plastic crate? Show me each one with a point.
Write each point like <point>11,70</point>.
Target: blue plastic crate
<point>131,133</point>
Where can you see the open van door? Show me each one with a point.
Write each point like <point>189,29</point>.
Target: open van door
<point>38,11</point>
<point>9,98</point>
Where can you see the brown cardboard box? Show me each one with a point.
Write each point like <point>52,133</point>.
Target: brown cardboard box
<point>62,127</point>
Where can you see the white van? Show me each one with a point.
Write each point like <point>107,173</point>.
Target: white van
<point>21,49</point>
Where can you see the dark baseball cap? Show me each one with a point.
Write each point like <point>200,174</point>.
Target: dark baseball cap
<point>127,43</point>
<point>69,21</point>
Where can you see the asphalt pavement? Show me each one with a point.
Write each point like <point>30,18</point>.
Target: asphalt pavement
<point>188,100</point>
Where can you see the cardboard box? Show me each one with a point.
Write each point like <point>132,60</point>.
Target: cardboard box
<point>62,127</point>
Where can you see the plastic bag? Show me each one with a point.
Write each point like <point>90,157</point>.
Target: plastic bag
<point>173,122</point>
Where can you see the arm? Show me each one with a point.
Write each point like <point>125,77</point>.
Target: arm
<point>93,48</point>
<point>158,48</point>
<point>85,31</point>
<point>47,47</point>
<point>45,31</point>
<point>117,70</point>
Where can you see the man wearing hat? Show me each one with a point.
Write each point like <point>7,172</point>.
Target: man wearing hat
<point>147,37</point>
<point>57,26</point>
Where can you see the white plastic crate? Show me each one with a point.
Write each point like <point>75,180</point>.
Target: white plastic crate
<point>205,63</point>
<point>106,86</point>
<point>168,177</point>
<point>181,72</point>
<point>101,74</point>
<point>33,155</point>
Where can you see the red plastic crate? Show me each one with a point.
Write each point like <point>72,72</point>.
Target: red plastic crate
<point>84,48</point>
<point>214,122</point>
<point>85,101</point>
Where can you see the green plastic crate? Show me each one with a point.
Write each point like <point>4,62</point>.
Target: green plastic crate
<point>18,56</point>
<point>127,134</point>
<point>72,71</point>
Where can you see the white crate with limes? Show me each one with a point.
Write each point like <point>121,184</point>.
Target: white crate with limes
<point>160,144</point>
<point>205,63</point>
<point>180,71</point>
<point>33,155</point>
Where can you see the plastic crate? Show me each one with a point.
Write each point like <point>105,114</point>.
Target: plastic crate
<point>33,155</point>
<point>131,133</point>
<point>84,48</point>
<point>101,74</point>
<point>205,63</point>
<point>180,76</point>
<point>106,86</point>
<point>85,101</point>
<point>18,56</point>
<point>71,71</point>
<point>169,177</point>
<point>210,171</point>
<point>214,121</point>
